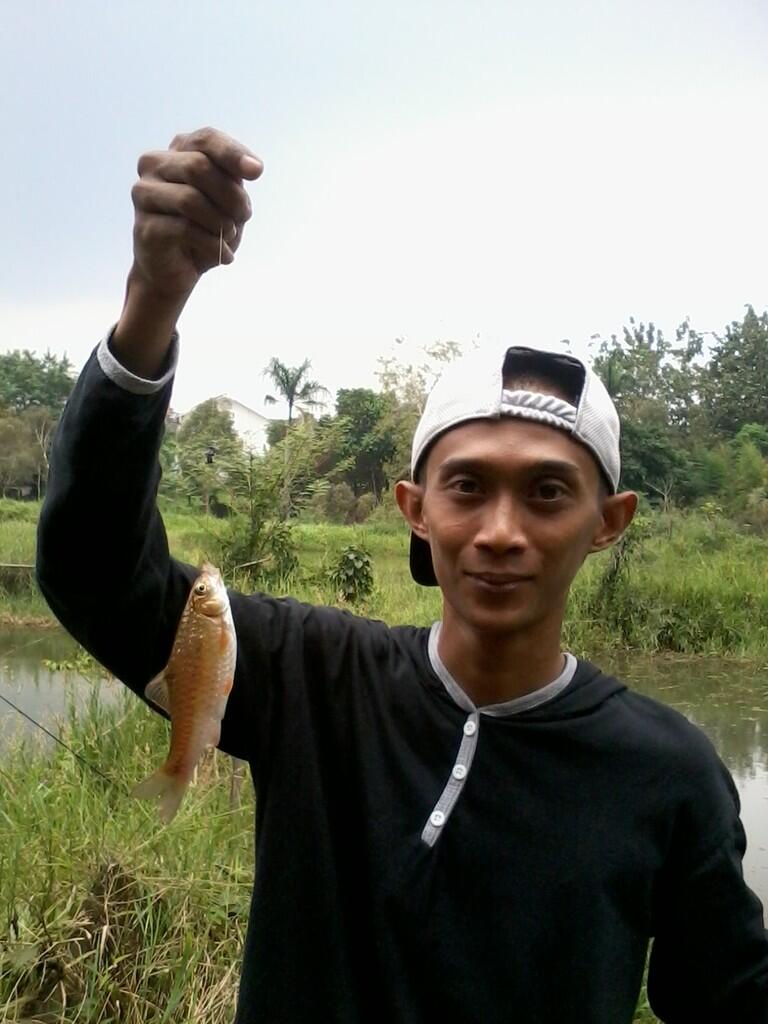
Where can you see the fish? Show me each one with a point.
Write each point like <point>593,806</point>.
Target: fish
<point>193,688</point>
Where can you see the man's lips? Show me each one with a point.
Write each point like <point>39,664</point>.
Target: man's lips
<point>499,579</point>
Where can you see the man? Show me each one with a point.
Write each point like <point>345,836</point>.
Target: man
<point>457,824</point>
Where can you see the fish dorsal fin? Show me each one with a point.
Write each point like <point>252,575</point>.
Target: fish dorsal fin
<point>156,690</point>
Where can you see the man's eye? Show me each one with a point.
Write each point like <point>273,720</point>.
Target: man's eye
<point>549,490</point>
<point>465,486</point>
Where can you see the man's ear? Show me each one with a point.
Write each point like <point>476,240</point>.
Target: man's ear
<point>617,513</point>
<point>410,500</point>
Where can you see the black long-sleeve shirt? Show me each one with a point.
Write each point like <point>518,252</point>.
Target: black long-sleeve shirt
<point>419,859</point>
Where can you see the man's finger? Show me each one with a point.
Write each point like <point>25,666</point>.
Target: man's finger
<point>229,154</point>
<point>181,201</point>
<point>162,232</point>
<point>195,168</point>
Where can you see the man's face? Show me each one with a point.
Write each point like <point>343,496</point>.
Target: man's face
<point>510,509</point>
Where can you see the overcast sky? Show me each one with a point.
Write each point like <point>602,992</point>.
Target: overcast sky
<point>433,170</point>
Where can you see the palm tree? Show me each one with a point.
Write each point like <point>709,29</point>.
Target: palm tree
<point>293,386</point>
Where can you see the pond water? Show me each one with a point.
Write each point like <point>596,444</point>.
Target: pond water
<point>728,700</point>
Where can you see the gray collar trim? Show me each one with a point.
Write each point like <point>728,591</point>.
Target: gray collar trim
<point>507,707</point>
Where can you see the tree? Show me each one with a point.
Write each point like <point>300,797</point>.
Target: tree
<point>650,379</point>
<point>370,438</point>
<point>209,452</point>
<point>755,434</point>
<point>407,386</point>
<point>294,387</point>
<point>651,463</point>
<point>27,380</point>
<point>735,383</point>
<point>18,455</point>
<point>276,431</point>
<point>39,422</point>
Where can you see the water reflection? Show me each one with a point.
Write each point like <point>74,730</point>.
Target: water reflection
<point>729,702</point>
<point>42,693</point>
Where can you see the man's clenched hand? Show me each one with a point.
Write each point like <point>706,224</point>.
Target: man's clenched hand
<point>185,197</point>
<point>191,207</point>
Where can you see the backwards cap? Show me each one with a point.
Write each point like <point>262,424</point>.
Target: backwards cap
<point>472,388</point>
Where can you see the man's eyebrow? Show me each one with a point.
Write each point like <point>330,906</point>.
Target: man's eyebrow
<point>539,467</point>
<point>556,466</point>
<point>459,464</point>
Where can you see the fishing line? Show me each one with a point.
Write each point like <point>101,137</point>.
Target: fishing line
<point>60,741</point>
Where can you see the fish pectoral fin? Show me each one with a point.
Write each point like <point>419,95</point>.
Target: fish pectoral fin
<point>156,690</point>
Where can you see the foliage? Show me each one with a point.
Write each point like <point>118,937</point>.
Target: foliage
<point>254,544</point>
<point>18,511</point>
<point>25,441</point>
<point>206,452</point>
<point>753,433</point>
<point>735,385</point>
<point>650,379</point>
<point>339,503</point>
<point>28,380</point>
<point>98,926</point>
<point>265,492</point>
<point>294,387</point>
<point>33,391</point>
<point>17,455</point>
<point>352,575</point>
<point>407,386</point>
<point>695,583</point>
<point>370,437</point>
<point>276,431</point>
<point>650,461</point>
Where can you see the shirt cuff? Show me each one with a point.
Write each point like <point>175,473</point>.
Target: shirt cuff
<point>128,381</point>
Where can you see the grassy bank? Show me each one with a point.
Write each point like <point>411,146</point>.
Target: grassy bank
<point>686,583</point>
<point>106,916</point>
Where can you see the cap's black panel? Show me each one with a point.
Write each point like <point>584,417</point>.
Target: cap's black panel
<point>421,562</point>
<point>562,371</point>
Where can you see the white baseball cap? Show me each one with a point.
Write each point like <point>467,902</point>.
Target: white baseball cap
<point>472,388</point>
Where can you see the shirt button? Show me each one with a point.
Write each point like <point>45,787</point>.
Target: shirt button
<point>437,818</point>
<point>470,728</point>
<point>459,771</point>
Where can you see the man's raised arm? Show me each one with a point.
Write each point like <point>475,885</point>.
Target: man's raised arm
<point>102,557</point>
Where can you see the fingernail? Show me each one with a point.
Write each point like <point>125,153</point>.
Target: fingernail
<point>249,165</point>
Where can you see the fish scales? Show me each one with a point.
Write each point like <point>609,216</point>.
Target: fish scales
<point>193,688</point>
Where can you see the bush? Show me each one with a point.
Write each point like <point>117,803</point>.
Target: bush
<point>15,511</point>
<point>339,504</point>
<point>365,504</point>
<point>253,553</point>
<point>352,576</point>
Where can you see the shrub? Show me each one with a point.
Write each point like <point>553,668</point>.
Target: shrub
<point>365,504</point>
<point>15,511</point>
<point>339,503</point>
<point>352,576</point>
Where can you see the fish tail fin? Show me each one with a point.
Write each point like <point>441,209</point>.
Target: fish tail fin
<point>170,787</point>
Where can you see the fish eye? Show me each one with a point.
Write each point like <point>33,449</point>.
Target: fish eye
<point>200,588</point>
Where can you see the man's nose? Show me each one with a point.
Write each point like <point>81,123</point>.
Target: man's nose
<point>501,529</point>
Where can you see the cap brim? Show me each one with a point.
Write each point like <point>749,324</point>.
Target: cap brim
<point>422,569</point>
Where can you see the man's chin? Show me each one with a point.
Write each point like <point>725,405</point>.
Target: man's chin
<point>500,617</point>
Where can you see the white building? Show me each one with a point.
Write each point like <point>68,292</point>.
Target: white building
<point>250,426</point>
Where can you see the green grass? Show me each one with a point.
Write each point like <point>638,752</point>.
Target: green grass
<point>694,585</point>
<point>107,916</point>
